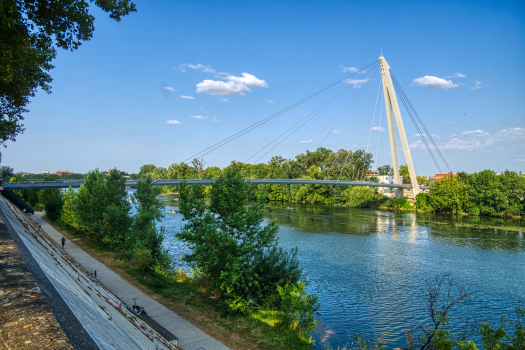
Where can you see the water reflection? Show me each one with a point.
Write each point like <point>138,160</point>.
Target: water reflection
<point>402,225</point>
<point>369,266</point>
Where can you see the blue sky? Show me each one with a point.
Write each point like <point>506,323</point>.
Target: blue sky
<point>117,101</point>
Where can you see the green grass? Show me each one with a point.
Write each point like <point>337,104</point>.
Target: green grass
<point>260,326</point>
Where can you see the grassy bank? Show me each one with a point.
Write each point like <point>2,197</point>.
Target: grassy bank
<point>187,297</point>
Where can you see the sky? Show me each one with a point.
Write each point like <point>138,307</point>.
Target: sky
<point>175,78</point>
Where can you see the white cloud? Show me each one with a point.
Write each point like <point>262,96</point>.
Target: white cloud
<point>519,160</point>
<point>446,123</point>
<point>233,86</point>
<point>270,101</point>
<point>169,88</point>
<point>187,97</point>
<point>248,80</point>
<point>335,131</point>
<point>456,143</point>
<point>309,141</point>
<point>457,75</point>
<point>478,85</point>
<point>199,117</point>
<point>356,82</point>
<point>215,120</point>
<point>197,66</point>
<point>420,135</point>
<point>348,69</point>
<point>378,128</point>
<point>476,133</point>
<point>510,135</point>
<point>224,100</point>
<point>430,82</point>
<point>173,122</point>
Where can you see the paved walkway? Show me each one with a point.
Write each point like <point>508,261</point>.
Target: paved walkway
<point>190,337</point>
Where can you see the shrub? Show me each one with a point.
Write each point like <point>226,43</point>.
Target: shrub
<point>143,260</point>
<point>360,197</point>
<point>298,307</point>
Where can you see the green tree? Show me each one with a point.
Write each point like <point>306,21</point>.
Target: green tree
<point>116,222</point>
<point>6,172</point>
<point>230,246</point>
<point>422,180</point>
<point>68,209</point>
<point>90,203</point>
<point>385,170</point>
<point>403,171</point>
<point>449,194</point>
<point>144,225</point>
<point>30,32</point>
<point>145,170</point>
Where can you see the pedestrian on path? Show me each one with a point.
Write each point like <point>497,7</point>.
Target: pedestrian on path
<point>63,242</point>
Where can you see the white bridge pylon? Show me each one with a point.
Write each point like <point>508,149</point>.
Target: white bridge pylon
<point>392,106</point>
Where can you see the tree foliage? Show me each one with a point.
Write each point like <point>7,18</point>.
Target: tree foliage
<point>30,33</point>
<point>231,247</point>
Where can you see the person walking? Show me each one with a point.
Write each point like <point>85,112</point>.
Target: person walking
<point>63,242</point>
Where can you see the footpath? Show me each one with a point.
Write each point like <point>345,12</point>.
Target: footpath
<point>189,336</point>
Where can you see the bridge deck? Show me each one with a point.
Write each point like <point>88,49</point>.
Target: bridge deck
<point>132,183</point>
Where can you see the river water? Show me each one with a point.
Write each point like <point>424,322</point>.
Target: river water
<point>370,267</point>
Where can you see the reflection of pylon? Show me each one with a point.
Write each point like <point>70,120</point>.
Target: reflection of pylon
<point>391,105</point>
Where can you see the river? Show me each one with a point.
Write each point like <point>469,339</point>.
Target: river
<point>370,267</point>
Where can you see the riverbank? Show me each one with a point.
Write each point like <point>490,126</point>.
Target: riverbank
<point>187,298</point>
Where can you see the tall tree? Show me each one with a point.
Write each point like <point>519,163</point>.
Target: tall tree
<point>230,246</point>
<point>144,226</point>
<point>30,33</point>
<point>199,165</point>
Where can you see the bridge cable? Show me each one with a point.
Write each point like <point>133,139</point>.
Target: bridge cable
<point>304,163</point>
<point>330,170</point>
<point>324,106</point>
<point>379,131</point>
<point>422,124</point>
<point>273,116</point>
<point>348,154</point>
<point>420,133</point>
<point>311,143</point>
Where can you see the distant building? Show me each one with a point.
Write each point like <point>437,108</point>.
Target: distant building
<point>45,172</point>
<point>60,173</point>
<point>436,178</point>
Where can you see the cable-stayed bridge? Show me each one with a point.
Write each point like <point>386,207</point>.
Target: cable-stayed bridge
<point>337,173</point>
<point>132,183</point>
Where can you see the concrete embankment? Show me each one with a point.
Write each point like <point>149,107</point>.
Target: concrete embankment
<point>89,314</point>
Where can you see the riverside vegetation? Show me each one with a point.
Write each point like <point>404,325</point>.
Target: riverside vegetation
<point>483,193</point>
<point>238,270</point>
